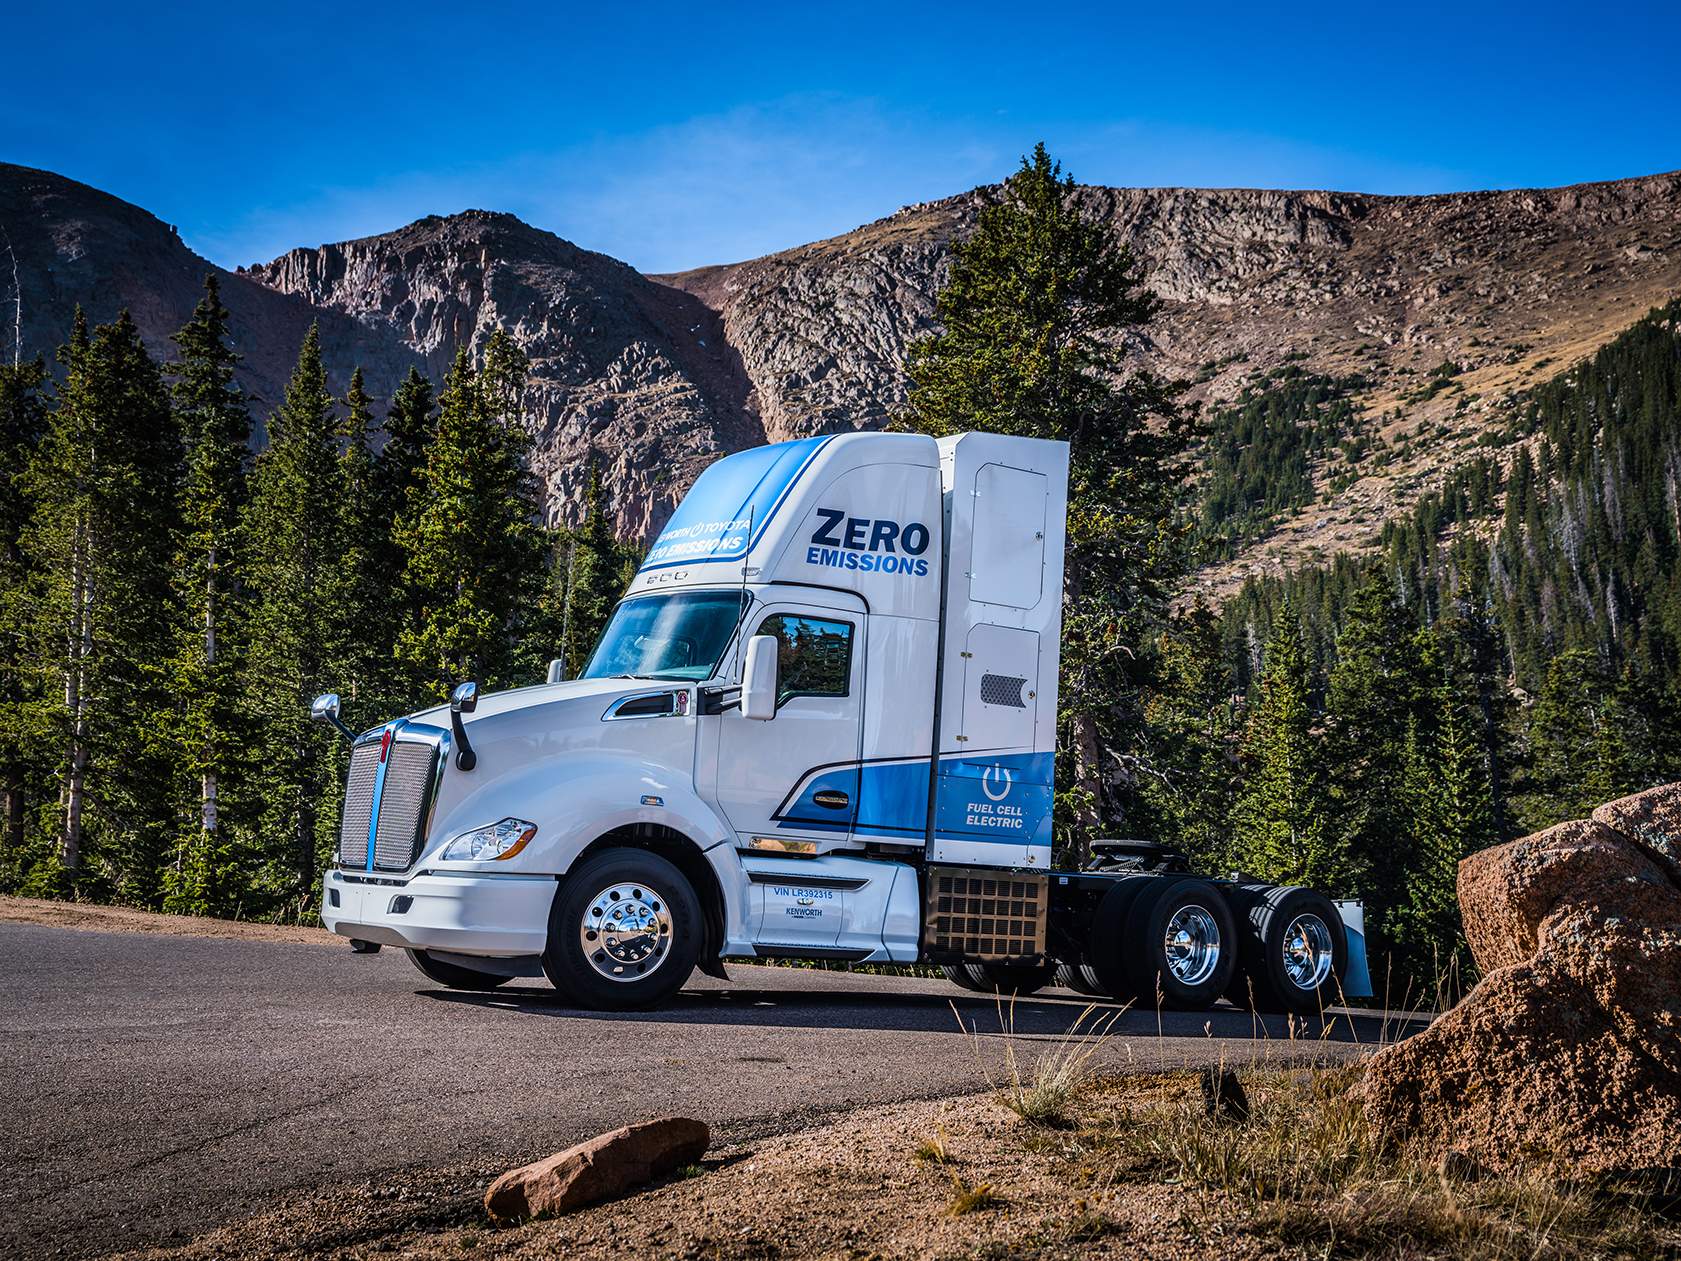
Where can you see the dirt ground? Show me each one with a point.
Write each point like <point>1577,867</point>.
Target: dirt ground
<point>855,1190</point>
<point>126,919</point>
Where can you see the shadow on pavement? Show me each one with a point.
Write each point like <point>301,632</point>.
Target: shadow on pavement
<point>1034,1017</point>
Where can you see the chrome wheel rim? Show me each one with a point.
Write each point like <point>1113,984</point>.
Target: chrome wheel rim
<point>626,933</point>
<point>1308,952</point>
<point>1192,945</point>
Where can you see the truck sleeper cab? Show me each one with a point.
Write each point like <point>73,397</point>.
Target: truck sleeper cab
<point>820,724</point>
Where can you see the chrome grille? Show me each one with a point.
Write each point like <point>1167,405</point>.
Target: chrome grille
<point>402,804</point>
<point>359,805</point>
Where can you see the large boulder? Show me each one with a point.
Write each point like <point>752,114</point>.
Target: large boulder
<point>1568,1052</point>
<point>605,1166</point>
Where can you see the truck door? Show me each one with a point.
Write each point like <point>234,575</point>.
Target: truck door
<point>795,777</point>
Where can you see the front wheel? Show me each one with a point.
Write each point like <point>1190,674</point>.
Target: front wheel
<point>625,932</point>
<point>453,975</point>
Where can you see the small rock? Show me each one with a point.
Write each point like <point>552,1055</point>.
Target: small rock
<point>1222,1096</point>
<point>605,1166</point>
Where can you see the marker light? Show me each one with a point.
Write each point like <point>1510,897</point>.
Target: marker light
<point>497,841</point>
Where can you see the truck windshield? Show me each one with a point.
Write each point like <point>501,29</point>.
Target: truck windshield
<point>675,636</point>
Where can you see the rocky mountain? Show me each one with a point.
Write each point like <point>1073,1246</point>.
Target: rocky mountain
<point>655,376</point>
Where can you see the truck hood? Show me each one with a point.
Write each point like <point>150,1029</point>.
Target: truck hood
<point>514,700</point>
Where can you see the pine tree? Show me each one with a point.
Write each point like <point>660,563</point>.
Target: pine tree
<point>411,427</point>
<point>590,578</point>
<point>294,560</point>
<point>202,730</point>
<point>1190,779</point>
<point>1378,692</point>
<point>104,486</point>
<point>23,422</point>
<point>370,599</point>
<point>475,553</point>
<point>1283,832</point>
<point>1027,347</point>
<point>1448,817</point>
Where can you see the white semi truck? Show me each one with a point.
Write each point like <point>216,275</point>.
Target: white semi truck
<point>820,725</point>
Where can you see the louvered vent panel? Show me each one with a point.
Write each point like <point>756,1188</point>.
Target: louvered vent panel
<point>403,800</point>
<point>359,805</point>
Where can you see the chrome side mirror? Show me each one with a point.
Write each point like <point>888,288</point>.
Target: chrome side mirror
<point>464,700</point>
<point>326,710</point>
<point>557,671</point>
<point>758,688</point>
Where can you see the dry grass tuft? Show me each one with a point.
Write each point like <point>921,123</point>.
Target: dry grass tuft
<point>935,1148</point>
<point>969,1199</point>
<point>1307,1170</point>
<point>1042,1096</point>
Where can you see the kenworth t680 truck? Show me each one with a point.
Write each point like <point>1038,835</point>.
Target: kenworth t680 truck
<point>820,725</point>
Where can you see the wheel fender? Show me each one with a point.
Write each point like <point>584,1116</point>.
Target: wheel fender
<point>574,800</point>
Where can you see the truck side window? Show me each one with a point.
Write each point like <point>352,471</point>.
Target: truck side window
<point>815,658</point>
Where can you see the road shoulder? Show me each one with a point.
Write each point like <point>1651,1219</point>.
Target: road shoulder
<point>128,919</point>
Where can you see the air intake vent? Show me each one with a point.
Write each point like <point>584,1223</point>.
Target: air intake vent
<point>1000,689</point>
<point>359,805</point>
<point>402,804</point>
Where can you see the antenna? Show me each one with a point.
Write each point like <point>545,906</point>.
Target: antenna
<point>746,555</point>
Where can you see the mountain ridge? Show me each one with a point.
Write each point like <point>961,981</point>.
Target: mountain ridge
<point>654,376</point>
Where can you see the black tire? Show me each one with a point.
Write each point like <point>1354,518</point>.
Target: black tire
<point>959,974</point>
<point>623,971</point>
<point>1081,978</point>
<point>1108,928</point>
<point>453,975</point>
<point>1000,978</point>
<point>1242,898</point>
<point>1282,948</point>
<point>1181,945</point>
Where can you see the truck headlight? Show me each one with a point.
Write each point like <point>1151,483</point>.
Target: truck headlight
<point>498,840</point>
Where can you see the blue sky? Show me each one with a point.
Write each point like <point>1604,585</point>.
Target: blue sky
<point>675,135</point>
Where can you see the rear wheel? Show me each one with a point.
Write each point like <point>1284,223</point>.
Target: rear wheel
<point>1180,945</point>
<point>1294,951</point>
<point>625,932</point>
<point>453,975</point>
<point>959,974</point>
<point>1081,978</point>
<point>1108,928</point>
<point>1002,978</point>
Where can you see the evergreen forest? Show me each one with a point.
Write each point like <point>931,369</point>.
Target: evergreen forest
<point>171,601</point>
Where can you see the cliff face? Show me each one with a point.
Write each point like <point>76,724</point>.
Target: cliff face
<point>623,372</point>
<point>653,377</point>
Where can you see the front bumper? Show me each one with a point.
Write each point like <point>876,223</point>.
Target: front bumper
<point>464,913</point>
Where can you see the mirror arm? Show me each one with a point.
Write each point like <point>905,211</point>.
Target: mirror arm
<point>464,700</point>
<point>465,758</point>
<point>343,730</point>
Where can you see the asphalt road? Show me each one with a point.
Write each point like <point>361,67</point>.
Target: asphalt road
<point>152,1087</point>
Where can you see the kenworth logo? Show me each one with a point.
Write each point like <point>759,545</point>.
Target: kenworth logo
<point>844,542</point>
